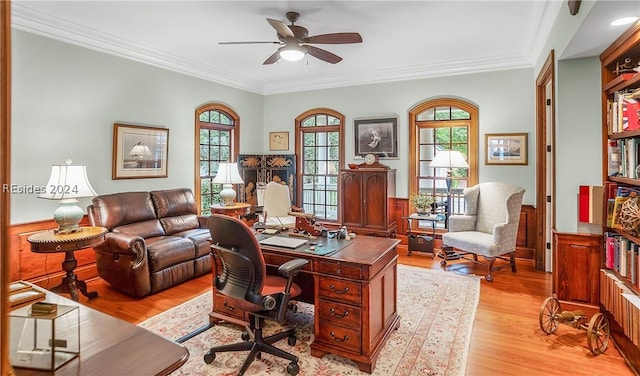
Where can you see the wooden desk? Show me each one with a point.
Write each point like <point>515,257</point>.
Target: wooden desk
<point>354,292</point>
<point>50,242</point>
<point>238,209</point>
<point>110,346</point>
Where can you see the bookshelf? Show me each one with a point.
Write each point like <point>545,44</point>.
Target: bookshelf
<point>619,279</point>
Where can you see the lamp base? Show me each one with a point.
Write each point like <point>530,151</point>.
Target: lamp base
<point>227,194</point>
<point>67,216</point>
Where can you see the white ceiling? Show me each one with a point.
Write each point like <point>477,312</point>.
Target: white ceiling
<point>401,39</point>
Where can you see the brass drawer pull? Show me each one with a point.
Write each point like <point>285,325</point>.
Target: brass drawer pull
<point>230,308</point>
<point>343,339</point>
<point>333,288</point>
<point>339,271</point>
<point>334,314</point>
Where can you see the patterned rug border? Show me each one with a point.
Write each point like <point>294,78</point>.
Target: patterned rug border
<point>437,352</point>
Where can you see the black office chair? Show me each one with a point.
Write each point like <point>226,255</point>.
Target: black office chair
<point>243,278</point>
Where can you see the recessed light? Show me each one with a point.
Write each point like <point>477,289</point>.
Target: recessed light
<point>624,21</point>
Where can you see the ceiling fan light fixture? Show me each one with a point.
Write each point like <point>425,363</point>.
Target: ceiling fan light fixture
<point>291,53</point>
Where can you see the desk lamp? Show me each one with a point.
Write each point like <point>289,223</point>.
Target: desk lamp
<point>449,159</point>
<point>227,175</point>
<point>66,183</point>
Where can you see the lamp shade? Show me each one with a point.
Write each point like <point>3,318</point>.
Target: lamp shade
<point>67,181</point>
<point>228,174</point>
<point>449,159</point>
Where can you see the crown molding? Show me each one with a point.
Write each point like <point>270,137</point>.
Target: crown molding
<point>31,21</point>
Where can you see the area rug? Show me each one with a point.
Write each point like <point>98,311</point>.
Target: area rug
<point>436,309</point>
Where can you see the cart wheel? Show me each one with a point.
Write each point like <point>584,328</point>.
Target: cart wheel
<point>549,313</point>
<point>598,333</point>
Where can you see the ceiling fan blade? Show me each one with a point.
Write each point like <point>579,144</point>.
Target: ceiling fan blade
<point>254,42</point>
<point>323,54</point>
<point>272,59</point>
<point>281,28</point>
<point>335,38</point>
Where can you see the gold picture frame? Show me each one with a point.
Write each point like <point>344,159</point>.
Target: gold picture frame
<point>505,148</point>
<point>278,141</point>
<point>139,152</point>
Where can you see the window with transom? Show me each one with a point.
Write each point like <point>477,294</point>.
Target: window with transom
<point>443,124</point>
<point>319,150</point>
<point>217,137</point>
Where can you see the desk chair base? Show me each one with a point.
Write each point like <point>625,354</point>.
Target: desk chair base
<point>449,254</point>
<point>257,344</point>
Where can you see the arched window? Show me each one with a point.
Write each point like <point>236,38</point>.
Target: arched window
<point>442,124</point>
<point>217,140</point>
<point>320,152</point>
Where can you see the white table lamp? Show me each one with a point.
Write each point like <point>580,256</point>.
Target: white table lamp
<point>227,175</point>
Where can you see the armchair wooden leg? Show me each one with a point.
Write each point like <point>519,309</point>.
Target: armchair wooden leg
<point>490,260</point>
<point>513,261</point>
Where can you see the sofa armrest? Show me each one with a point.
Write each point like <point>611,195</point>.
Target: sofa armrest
<point>202,221</point>
<point>119,243</point>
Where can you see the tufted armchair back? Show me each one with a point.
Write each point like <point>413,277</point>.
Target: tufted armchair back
<point>492,203</point>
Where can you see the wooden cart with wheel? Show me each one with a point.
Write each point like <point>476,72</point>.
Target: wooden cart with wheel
<point>551,315</point>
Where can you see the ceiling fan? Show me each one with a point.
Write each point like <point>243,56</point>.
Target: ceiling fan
<point>295,41</point>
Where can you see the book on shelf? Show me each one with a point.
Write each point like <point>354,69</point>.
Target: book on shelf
<point>590,203</point>
<point>614,158</point>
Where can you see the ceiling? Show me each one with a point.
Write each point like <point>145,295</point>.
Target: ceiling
<point>401,39</point>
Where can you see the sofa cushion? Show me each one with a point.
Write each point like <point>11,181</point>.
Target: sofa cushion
<point>201,239</point>
<point>120,209</point>
<point>173,202</point>
<point>145,229</point>
<point>179,223</point>
<point>165,251</point>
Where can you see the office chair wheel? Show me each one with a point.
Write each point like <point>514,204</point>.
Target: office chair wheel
<point>209,357</point>
<point>293,368</point>
<point>293,307</point>
<point>292,340</point>
<point>245,336</point>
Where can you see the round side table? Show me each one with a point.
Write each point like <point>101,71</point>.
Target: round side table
<point>50,242</point>
<point>238,209</point>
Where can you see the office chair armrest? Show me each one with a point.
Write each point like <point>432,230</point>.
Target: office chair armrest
<point>292,267</point>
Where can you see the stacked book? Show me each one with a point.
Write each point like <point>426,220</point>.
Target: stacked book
<point>623,112</point>
<point>622,303</point>
<point>22,294</point>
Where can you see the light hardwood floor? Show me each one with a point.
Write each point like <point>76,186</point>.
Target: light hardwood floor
<point>506,337</point>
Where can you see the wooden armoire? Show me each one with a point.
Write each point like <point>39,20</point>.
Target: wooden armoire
<point>368,198</point>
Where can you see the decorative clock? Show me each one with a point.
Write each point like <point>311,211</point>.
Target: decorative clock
<point>372,161</point>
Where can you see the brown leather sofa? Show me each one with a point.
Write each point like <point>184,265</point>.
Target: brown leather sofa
<point>156,240</point>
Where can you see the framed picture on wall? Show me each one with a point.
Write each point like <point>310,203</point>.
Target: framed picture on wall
<point>278,141</point>
<point>506,149</point>
<point>139,152</point>
<point>377,136</point>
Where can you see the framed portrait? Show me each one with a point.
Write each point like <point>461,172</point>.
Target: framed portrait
<point>377,136</point>
<point>278,141</point>
<point>506,149</point>
<point>139,152</point>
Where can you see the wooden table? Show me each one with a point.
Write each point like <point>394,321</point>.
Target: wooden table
<point>110,346</point>
<point>51,242</point>
<point>238,209</point>
<point>354,292</point>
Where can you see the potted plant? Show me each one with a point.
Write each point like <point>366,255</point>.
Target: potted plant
<point>422,202</point>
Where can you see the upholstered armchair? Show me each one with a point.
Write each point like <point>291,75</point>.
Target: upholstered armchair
<point>488,228</point>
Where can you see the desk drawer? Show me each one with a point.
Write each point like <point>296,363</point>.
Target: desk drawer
<point>277,260</point>
<point>337,336</point>
<point>225,306</point>
<point>340,290</point>
<point>340,314</point>
<point>340,269</point>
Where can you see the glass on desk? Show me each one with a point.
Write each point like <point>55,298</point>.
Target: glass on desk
<point>44,341</point>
